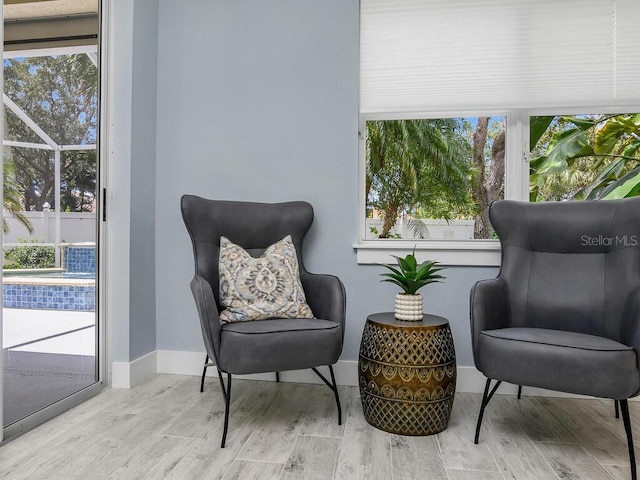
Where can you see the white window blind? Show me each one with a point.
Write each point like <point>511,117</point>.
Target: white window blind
<point>627,59</point>
<point>431,55</point>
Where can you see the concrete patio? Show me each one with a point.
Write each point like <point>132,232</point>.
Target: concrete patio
<point>48,355</point>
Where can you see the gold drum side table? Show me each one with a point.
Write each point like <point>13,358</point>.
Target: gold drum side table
<point>407,374</point>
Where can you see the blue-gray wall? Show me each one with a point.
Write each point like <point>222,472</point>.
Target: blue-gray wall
<point>258,100</point>
<point>142,291</point>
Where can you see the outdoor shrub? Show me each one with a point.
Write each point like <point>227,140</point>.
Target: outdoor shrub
<point>35,256</point>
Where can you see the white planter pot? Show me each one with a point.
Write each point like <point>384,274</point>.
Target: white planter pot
<point>409,307</point>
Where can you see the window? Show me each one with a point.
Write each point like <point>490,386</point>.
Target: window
<point>444,65</point>
<point>433,178</point>
<point>428,182</point>
<point>584,157</point>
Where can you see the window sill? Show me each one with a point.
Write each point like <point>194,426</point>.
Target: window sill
<point>461,252</point>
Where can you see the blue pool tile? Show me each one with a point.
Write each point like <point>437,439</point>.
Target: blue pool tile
<point>67,297</point>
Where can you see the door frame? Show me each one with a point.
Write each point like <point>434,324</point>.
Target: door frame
<point>103,342</point>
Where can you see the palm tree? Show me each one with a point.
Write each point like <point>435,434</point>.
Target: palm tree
<point>11,200</point>
<point>415,163</point>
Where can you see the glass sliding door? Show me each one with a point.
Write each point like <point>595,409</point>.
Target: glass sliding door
<point>51,219</point>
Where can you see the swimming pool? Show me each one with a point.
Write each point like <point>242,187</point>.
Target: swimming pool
<point>18,292</point>
<point>49,273</point>
<point>70,288</point>
<point>50,291</point>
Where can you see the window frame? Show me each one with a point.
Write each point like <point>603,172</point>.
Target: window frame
<point>478,252</point>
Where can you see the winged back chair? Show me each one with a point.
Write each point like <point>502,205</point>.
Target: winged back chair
<point>271,345</point>
<point>564,312</point>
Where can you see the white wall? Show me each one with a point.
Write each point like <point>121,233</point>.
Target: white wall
<point>258,101</point>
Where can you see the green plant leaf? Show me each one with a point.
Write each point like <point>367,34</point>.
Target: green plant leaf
<point>565,146</point>
<point>395,282</point>
<point>586,151</point>
<point>394,270</point>
<point>403,263</point>
<point>581,122</point>
<point>627,186</point>
<point>409,277</point>
<point>632,148</point>
<point>411,262</point>
<point>612,132</point>
<point>428,270</point>
<point>533,193</point>
<point>537,127</point>
<point>398,279</point>
<point>608,174</point>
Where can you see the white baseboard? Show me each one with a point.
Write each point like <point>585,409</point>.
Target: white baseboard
<point>191,363</point>
<point>129,374</point>
<point>470,380</point>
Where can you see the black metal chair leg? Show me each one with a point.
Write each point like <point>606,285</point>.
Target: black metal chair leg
<point>615,403</point>
<point>204,371</point>
<point>224,390</point>
<point>624,406</point>
<point>335,393</point>
<point>519,392</point>
<point>333,386</point>
<point>277,376</point>
<point>485,400</point>
<point>227,401</point>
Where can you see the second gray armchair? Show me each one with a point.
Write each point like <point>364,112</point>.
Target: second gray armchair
<point>564,312</point>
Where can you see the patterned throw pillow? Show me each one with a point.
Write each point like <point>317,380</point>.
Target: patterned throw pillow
<point>261,288</point>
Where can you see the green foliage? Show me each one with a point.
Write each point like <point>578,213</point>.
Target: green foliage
<point>410,276</point>
<point>538,127</point>
<point>60,94</point>
<point>586,157</point>
<point>416,164</point>
<point>565,147</point>
<point>627,186</point>
<point>35,256</point>
<point>12,200</point>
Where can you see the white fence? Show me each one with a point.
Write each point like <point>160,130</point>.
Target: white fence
<point>435,229</point>
<point>75,227</point>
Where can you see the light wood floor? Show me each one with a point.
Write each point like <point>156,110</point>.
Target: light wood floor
<point>166,429</point>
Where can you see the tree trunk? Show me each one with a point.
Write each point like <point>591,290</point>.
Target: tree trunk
<point>390,216</point>
<point>487,186</point>
<point>482,227</point>
<point>496,175</point>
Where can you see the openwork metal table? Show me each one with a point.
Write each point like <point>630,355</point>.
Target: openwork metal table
<point>407,374</point>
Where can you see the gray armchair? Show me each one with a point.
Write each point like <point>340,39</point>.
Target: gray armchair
<point>272,345</point>
<point>564,312</point>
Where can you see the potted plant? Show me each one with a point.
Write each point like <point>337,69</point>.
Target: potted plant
<point>411,277</point>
